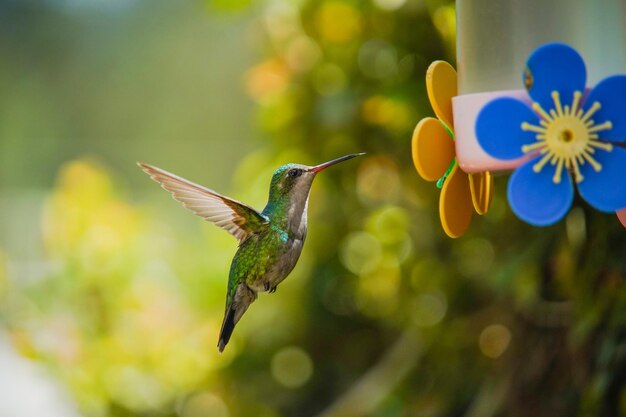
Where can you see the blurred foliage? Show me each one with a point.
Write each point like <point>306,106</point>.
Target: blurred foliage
<point>384,315</point>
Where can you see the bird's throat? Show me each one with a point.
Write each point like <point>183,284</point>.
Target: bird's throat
<point>289,215</point>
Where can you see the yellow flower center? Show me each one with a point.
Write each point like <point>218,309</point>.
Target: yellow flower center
<point>567,137</point>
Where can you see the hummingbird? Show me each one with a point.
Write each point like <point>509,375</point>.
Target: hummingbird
<point>270,241</point>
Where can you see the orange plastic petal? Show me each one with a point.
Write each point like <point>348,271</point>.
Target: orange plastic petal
<point>441,86</point>
<point>432,149</point>
<point>455,203</point>
<point>621,215</point>
<point>481,187</point>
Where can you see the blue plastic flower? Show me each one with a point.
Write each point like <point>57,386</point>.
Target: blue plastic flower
<point>567,133</point>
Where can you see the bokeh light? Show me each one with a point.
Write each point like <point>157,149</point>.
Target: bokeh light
<point>575,227</point>
<point>378,180</point>
<point>377,291</point>
<point>389,4</point>
<point>361,252</point>
<point>292,367</point>
<point>494,340</point>
<point>302,53</point>
<point>204,404</point>
<point>267,79</point>
<point>429,308</point>
<point>389,224</point>
<point>281,20</point>
<point>338,21</point>
<point>386,112</point>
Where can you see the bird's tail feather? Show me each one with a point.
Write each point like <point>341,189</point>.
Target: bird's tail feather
<point>227,328</point>
<point>244,296</point>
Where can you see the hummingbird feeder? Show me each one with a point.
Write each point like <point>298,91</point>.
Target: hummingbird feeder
<point>541,92</point>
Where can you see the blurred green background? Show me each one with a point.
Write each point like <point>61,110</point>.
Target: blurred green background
<point>117,292</point>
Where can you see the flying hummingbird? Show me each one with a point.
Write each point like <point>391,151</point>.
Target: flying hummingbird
<point>270,241</point>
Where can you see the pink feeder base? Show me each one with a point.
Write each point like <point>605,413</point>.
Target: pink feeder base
<point>470,155</point>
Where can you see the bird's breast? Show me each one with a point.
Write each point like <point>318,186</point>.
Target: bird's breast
<point>274,266</point>
<point>286,261</point>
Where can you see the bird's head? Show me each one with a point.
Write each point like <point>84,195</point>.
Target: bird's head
<point>293,180</point>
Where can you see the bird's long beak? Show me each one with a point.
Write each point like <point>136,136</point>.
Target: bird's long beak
<point>325,165</point>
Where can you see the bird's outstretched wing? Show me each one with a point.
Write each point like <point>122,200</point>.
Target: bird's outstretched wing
<point>237,218</point>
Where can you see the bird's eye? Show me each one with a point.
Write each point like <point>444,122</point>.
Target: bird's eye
<point>293,173</point>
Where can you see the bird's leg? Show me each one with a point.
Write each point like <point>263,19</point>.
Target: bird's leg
<point>268,288</point>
